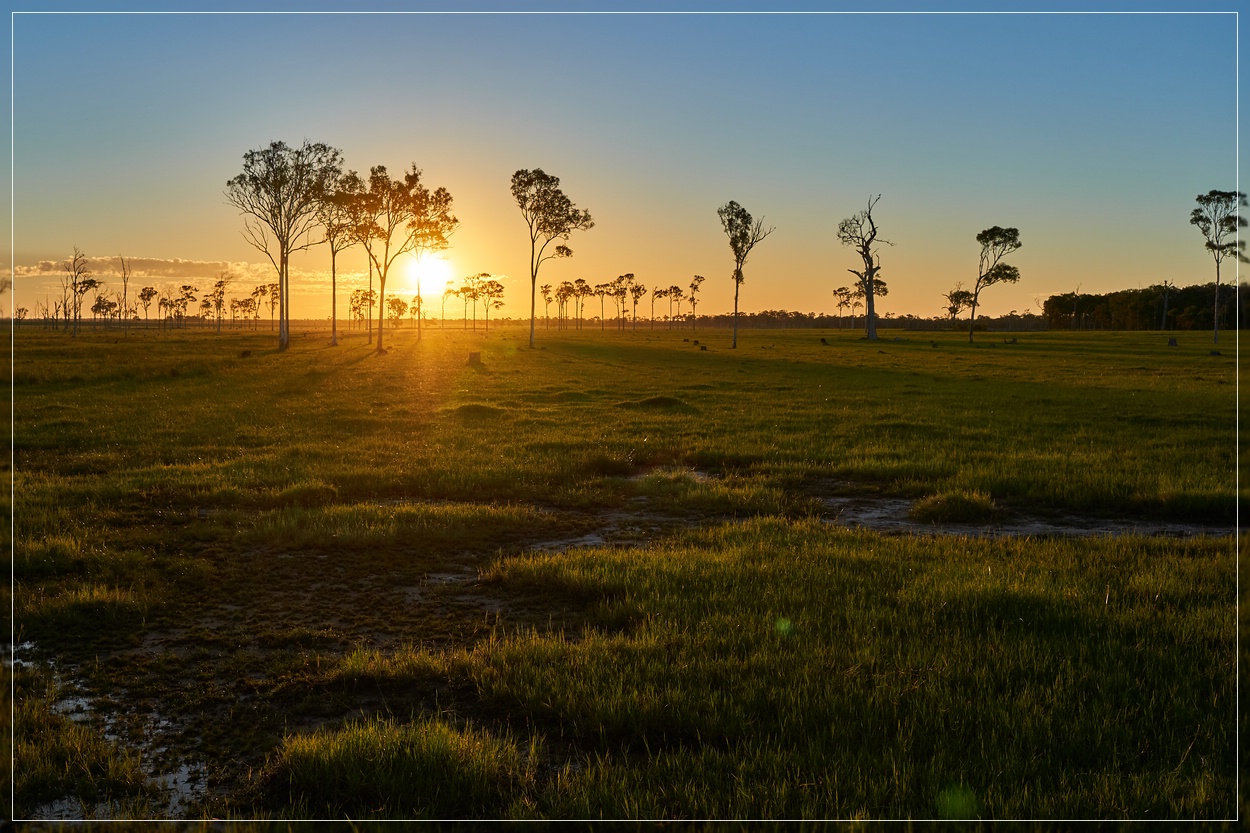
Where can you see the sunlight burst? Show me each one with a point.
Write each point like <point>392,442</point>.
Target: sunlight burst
<point>429,273</point>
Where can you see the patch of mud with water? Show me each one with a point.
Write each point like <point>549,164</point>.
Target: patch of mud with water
<point>181,784</point>
<point>890,515</point>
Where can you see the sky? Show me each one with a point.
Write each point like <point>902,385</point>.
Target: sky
<point>1089,132</point>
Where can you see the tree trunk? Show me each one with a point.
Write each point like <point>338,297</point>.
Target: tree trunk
<point>870,311</point>
<point>533,291</point>
<point>381,307</point>
<point>972,320</point>
<point>1215,319</point>
<point>334,301</point>
<point>737,283</point>
<point>284,323</point>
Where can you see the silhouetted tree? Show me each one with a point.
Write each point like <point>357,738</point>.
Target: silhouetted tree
<point>492,292</point>
<point>396,308</point>
<point>602,290</point>
<point>620,291</point>
<point>396,217</point>
<point>339,215</point>
<point>448,292</point>
<point>124,300</point>
<point>843,298</point>
<point>859,231</point>
<point>546,290</point>
<point>694,291</point>
<point>674,294</point>
<point>743,235</point>
<point>76,283</point>
<point>996,243</point>
<point>145,299</point>
<point>278,192</point>
<point>563,293</point>
<point>550,216</point>
<point>637,292</point>
<point>656,293</point>
<point>581,290</point>
<point>1218,219</point>
<point>957,300</point>
<point>217,298</point>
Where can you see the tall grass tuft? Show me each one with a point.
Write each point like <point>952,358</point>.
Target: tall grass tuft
<point>425,769</point>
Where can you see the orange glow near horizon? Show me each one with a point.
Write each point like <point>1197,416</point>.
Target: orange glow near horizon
<point>427,273</point>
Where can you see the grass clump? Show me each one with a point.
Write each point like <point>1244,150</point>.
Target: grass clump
<point>960,507</point>
<point>658,403</point>
<point>381,768</point>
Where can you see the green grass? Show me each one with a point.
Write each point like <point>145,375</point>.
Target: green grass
<point>954,507</point>
<point>318,565</point>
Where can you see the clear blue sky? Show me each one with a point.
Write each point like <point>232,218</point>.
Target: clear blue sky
<point>1091,133</point>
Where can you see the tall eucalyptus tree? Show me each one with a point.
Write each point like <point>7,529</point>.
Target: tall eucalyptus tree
<point>279,192</point>
<point>550,216</point>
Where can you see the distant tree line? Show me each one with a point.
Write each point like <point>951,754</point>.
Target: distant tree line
<point>1158,307</point>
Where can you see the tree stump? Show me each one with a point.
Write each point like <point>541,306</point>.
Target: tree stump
<point>475,359</point>
<point>1172,342</point>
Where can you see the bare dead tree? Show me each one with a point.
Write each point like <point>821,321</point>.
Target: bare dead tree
<point>859,231</point>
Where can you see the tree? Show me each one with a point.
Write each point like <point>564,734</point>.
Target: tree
<point>492,292</point>
<point>550,216</point>
<point>996,243</point>
<point>546,291</point>
<point>279,192</point>
<point>218,296</point>
<point>396,217</point>
<point>843,298</point>
<point>674,294</point>
<point>637,292</point>
<point>564,292</point>
<point>145,299</point>
<point>658,293</point>
<point>859,231</point>
<point>1167,287</point>
<point>125,296</point>
<point>77,283</point>
<point>581,290</point>
<point>743,235</point>
<point>1218,219</point>
<point>620,291</point>
<point>602,290</point>
<point>337,214</point>
<point>694,290</point>
<point>448,292</point>
<point>957,300</point>
<point>396,309</point>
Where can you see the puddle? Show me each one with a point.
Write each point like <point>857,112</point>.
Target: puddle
<point>592,539</point>
<point>68,809</point>
<point>181,784</point>
<point>890,515</point>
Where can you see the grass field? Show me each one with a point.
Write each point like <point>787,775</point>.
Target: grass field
<point>601,579</point>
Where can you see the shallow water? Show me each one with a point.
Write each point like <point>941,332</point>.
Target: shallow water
<point>890,515</point>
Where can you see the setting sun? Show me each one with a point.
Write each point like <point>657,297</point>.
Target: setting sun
<point>428,273</point>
